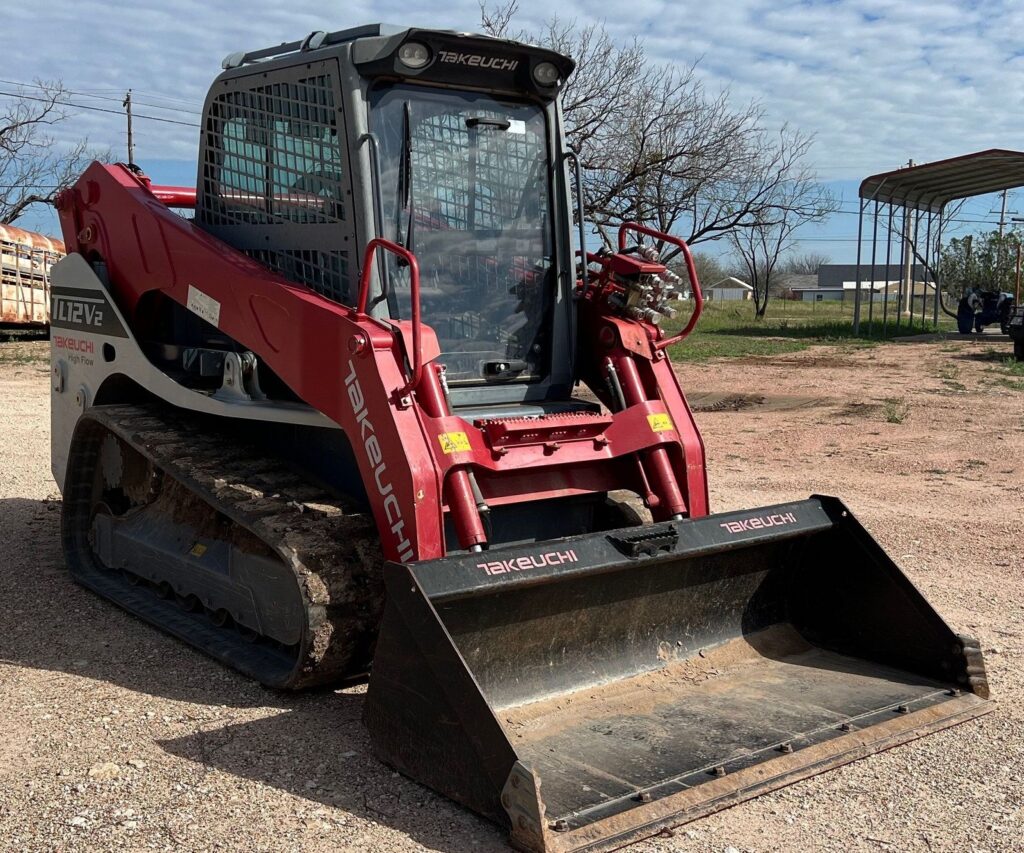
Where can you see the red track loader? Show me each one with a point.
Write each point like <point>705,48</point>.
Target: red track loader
<point>327,426</point>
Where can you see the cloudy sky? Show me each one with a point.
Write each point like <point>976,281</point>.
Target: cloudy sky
<point>876,81</point>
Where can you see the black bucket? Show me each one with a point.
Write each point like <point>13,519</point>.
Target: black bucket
<point>594,690</point>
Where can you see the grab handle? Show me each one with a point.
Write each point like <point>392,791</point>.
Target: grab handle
<point>691,271</point>
<point>369,254</point>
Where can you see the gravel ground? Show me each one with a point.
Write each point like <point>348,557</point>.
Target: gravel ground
<point>117,737</point>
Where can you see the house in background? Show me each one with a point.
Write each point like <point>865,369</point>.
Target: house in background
<point>729,290</point>
<point>813,293</point>
<point>786,285</point>
<point>838,283</point>
<point>845,275</point>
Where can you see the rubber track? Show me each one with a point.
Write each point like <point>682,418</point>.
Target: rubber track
<point>332,550</point>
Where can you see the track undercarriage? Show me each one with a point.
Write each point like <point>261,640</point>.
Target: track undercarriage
<point>213,541</point>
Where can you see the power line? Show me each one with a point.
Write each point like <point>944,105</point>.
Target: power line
<point>98,109</point>
<point>169,98</point>
<point>103,97</point>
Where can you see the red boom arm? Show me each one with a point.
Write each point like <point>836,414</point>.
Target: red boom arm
<point>413,455</point>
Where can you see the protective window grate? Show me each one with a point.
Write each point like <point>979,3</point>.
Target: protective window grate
<point>324,272</point>
<point>273,159</point>
<point>484,198</point>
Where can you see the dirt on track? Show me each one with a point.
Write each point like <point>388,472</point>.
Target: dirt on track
<point>114,736</point>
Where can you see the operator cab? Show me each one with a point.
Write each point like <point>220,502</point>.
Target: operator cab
<point>464,185</point>
<point>446,143</point>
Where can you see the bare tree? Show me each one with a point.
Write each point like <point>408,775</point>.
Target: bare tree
<point>496,20</point>
<point>795,201</point>
<point>806,263</point>
<point>655,144</point>
<point>710,270</point>
<point>33,167</point>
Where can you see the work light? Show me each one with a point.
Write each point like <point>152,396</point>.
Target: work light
<point>545,73</point>
<point>414,54</point>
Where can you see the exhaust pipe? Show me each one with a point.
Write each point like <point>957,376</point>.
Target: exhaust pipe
<point>594,690</point>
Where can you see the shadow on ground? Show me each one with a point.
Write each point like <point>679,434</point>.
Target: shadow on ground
<point>49,622</point>
<point>319,750</point>
<point>316,748</point>
<point>828,331</point>
<point>991,356</point>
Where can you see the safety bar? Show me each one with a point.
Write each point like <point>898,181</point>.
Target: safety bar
<point>414,294</point>
<point>581,222</point>
<point>691,271</point>
<point>378,205</point>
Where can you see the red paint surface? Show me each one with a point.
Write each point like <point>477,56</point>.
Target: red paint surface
<point>334,349</point>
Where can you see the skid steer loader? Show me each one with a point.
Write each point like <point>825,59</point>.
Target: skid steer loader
<point>326,425</point>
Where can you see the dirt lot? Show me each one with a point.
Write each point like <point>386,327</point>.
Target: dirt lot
<point>116,737</point>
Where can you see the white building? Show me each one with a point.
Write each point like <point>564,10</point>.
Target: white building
<point>729,290</point>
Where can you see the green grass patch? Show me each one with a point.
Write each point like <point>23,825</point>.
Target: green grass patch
<point>1009,373</point>
<point>731,329</point>
<point>895,410</point>
<point>25,353</point>
<point>701,347</point>
<point>1013,367</point>
<point>1012,384</point>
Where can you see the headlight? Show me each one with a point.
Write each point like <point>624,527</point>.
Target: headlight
<point>413,54</point>
<point>545,73</point>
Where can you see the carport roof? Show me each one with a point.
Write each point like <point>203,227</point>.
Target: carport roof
<point>931,186</point>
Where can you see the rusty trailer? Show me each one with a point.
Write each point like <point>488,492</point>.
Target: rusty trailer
<point>25,262</point>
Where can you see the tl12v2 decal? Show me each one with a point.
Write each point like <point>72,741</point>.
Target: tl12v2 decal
<point>84,311</point>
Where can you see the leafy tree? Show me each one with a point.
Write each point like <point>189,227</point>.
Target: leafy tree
<point>983,260</point>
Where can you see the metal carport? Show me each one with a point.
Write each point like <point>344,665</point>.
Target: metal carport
<point>923,192</point>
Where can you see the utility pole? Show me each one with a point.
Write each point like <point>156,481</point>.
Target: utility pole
<point>1016,290</point>
<point>1016,294</point>
<point>131,139</point>
<point>1001,254</point>
<point>908,251</point>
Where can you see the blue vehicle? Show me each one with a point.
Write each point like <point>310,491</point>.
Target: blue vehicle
<point>980,308</point>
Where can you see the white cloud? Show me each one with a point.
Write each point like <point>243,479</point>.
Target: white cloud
<point>877,81</point>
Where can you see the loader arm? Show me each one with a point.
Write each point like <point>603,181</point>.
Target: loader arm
<point>410,447</point>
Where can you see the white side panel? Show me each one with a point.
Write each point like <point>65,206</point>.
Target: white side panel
<point>90,341</point>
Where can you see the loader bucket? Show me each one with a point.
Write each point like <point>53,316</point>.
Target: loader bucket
<point>597,689</point>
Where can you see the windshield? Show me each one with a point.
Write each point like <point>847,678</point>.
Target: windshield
<point>464,182</point>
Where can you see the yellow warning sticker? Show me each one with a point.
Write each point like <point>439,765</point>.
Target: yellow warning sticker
<point>454,442</point>
<point>660,423</point>
<point>198,549</point>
